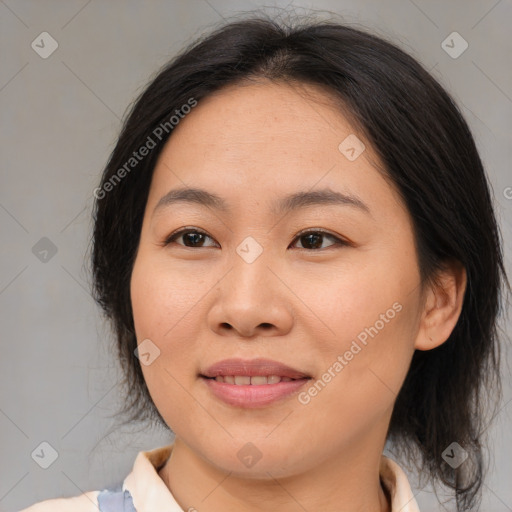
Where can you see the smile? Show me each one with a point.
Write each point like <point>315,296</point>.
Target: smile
<point>243,392</point>
<point>257,380</point>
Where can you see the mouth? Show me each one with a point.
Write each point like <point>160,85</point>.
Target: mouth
<point>257,368</point>
<point>246,380</point>
<point>252,383</point>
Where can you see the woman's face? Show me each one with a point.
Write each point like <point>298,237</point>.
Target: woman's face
<point>341,308</point>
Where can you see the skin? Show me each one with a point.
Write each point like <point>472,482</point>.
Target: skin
<point>251,145</point>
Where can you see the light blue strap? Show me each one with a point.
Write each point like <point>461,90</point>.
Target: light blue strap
<point>115,500</point>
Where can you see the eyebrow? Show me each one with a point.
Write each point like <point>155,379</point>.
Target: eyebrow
<point>282,206</point>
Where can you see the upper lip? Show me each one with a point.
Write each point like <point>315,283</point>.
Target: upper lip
<point>252,368</point>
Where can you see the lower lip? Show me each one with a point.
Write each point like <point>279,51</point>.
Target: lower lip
<point>252,396</point>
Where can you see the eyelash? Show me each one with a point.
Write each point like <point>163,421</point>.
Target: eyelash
<point>338,241</point>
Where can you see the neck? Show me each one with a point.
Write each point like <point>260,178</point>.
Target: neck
<point>342,484</point>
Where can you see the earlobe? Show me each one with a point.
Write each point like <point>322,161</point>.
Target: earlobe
<point>442,306</point>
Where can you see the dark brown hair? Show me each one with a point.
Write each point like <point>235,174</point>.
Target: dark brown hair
<point>427,151</point>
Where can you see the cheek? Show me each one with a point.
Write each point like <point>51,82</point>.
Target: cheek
<point>163,297</point>
<point>369,321</point>
<point>360,381</point>
<point>163,312</point>
<point>355,298</point>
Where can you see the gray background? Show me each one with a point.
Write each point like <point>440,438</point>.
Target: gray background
<point>60,118</point>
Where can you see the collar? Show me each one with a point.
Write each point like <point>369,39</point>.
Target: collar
<point>150,493</point>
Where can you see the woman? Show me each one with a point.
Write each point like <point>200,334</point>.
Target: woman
<point>295,242</point>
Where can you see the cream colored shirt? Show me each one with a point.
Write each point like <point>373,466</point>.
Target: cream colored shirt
<point>150,494</point>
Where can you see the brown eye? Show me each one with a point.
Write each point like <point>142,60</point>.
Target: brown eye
<point>313,239</point>
<point>191,238</point>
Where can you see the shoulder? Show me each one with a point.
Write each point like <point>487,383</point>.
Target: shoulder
<point>396,482</point>
<point>138,486</point>
<point>86,502</point>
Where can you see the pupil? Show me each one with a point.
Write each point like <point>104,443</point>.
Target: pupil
<point>316,237</point>
<point>193,236</point>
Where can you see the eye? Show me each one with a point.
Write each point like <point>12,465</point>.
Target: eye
<point>193,237</point>
<point>314,238</point>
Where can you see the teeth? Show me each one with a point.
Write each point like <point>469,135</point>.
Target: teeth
<point>244,380</point>
<point>258,381</point>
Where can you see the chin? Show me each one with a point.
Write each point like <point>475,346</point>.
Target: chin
<point>255,459</point>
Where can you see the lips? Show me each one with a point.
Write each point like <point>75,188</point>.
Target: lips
<point>252,368</point>
<point>253,383</point>
<point>255,380</point>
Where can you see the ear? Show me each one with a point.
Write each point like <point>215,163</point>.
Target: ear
<point>442,306</point>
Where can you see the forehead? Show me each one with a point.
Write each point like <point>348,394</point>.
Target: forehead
<point>265,139</point>
<point>273,115</point>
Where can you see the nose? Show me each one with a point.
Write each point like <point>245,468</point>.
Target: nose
<point>252,300</point>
